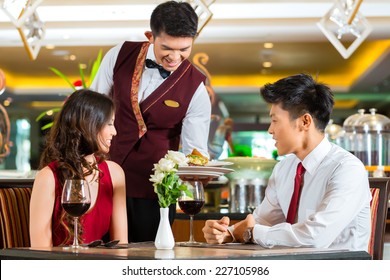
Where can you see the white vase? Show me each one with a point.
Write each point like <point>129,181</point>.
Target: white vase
<point>164,237</point>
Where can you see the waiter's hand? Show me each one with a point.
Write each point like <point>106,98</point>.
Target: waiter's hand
<point>215,231</point>
<point>241,226</point>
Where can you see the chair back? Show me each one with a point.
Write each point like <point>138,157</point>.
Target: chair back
<point>379,204</point>
<point>14,216</point>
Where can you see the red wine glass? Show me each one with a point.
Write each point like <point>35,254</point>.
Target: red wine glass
<point>76,200</point>
<point>191,202</point>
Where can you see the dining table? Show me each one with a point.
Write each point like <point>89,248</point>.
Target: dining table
<point>181,251</point>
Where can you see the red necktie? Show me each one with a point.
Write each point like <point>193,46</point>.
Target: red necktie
<point>292,210</point>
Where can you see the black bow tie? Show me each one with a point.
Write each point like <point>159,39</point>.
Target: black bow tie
<point>151,64</point>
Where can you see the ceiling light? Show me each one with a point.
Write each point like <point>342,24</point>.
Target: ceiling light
<point>203,12</point>
<point>267,64</point>
<point>19,10</point>
<point>342,19</point>
<point>32,32</point>
<point>60,52</point>
<point>24,16</point>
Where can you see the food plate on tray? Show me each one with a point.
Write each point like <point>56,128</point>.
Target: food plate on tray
<point>217,163</point>
<point>198,174</point>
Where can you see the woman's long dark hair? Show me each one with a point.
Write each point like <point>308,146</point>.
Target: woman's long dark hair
<point>73,136</point>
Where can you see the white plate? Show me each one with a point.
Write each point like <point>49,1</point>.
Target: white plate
<point>205,169</point>
<point>217,163</point>
<point>200,174</point>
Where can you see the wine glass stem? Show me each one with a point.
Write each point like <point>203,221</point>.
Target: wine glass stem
<point>75,234</point>
<point>192,229</point>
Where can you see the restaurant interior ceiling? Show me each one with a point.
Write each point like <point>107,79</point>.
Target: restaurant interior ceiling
<point>233,39</point>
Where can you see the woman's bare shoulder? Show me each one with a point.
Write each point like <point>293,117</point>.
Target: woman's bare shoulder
<point>116,171</point>
<point>44,174</point>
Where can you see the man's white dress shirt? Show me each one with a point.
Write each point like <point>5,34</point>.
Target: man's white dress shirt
<point>334,208</point>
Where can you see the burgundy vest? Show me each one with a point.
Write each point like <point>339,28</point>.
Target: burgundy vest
<point>137,155</point>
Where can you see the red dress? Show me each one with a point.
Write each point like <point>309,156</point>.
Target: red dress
<point>96,222</point>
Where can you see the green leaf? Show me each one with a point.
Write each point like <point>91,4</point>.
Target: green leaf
<point>60,74</point>
<point>82,76</point>
<point>95,67</point>
<point>46,126</point>
<point>41,115</point>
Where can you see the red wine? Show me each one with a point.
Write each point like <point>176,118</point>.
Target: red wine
<point>76,209</point>
<point>191,207</point>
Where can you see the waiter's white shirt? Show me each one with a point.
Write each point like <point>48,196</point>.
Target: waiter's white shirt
<point>196,123</point>
<point>334,208</point>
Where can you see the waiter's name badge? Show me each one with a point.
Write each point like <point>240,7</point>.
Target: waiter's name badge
<point>171,103</point>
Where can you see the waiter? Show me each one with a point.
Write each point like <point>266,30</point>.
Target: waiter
<point>161,102</point>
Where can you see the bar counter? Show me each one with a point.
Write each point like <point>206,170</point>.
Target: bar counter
<point>146,250</point>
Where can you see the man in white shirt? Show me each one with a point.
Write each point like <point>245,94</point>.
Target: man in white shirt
<point>161,102</point>
<point>334,204</point>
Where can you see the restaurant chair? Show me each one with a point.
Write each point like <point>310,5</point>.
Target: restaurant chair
<point>379,204</point>
<point>14,216</point>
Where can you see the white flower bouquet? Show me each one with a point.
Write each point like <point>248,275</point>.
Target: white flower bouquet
<point>167,184</point>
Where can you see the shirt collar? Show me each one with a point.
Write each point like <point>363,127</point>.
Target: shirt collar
<point>315,157</point>
<point>150,53</point>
